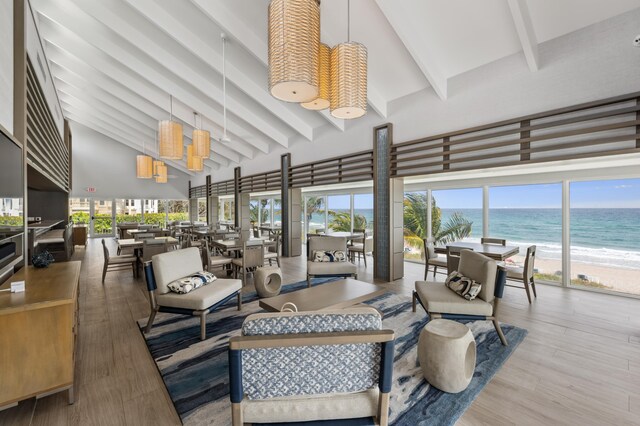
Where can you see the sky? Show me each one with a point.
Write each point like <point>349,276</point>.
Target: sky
<point>592,194</point>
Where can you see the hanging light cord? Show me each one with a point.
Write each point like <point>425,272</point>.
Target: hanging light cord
<point>224,85</point>
<point>349,21</point>
<point>170,107</point>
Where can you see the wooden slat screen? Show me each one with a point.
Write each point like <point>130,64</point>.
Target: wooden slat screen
<point>349,168</point>
<point>269,181</point>
<point>221,188</point>
<point>198,191</point>
<point>594,129</point>
<point>46,150</point>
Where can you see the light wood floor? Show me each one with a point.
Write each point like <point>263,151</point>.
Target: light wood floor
<point>580,363</point>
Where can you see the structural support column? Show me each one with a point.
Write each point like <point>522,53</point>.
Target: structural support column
<point>236,196</point>
<point>207,187</point>
<point>214,209</point>
<point>291,202</point>
<point>388,239</point>
<point>566,234</point>
<point>244,211</point>
<point>485,211</point>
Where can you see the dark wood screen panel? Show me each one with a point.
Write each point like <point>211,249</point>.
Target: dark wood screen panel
<point>198,191</point>
<point>349,168</point>
<point>269,181</point>
<point>593,129</point>
<point>46,150</point>
<point>221,188</point>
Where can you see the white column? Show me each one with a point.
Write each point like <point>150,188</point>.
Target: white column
<point>485,211</point>
<point>566,235</point>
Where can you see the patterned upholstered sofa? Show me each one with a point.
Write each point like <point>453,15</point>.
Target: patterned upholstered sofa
<point>311,366</point>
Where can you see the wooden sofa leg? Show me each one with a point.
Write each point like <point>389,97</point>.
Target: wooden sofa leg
<point>413,303</point>
<point>503,339</point>
<point>236,414</point>
<point>383,409</point>
<point>308,281</point>
<point>150,321</point>
<point>240,300</point>
<point>203,325</point>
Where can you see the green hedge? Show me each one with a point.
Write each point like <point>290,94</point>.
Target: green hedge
<point>11,220</point>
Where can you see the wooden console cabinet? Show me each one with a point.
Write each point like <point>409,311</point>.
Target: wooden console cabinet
<point>38,331</point>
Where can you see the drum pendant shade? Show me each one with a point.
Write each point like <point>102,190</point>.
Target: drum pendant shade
<point>324,71</point>
<point>294,43</point>
<point>348,80</point>
<point>201,141</point>
<point>162,174</point>
<point>156,163</point>
<point>144,168</point>
<point>195,164</point>
<point>170,135</point>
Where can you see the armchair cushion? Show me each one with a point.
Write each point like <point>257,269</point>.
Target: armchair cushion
<point>310,370</point>
<point>436,297</point>
<point>326,243</point>
<point>173,265</point>
<point>188,284</point>
<point>481,269</point>
<point>201,298</point>
<point>462,286</point>
<point>329,256</point>
<point>331,268</point>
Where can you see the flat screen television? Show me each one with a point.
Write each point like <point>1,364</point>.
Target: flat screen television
<point>11,184</point>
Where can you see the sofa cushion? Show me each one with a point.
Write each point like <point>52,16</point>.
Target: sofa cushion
<point>331,268</point>
<point>312,407</point>
<point>170,266</point>
<point>310,370</point>
<point>201,298</point>
<point>462,286</point>
<point>329,256</point>
<point>437,298</point>
<point>190,283</point>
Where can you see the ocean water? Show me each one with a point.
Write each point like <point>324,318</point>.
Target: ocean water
<point>608,237</point>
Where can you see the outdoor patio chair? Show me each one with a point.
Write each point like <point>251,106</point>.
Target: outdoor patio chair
<point>328,269</point>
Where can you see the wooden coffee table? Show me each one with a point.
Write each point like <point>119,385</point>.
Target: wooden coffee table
<point>334,295</point>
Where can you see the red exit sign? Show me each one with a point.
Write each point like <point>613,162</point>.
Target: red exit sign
<point>91,189</point>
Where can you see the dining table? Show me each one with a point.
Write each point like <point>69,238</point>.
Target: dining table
<point>236,245</point>
<point>137,244</point>
<point>494,251</point>
<point>134,232</point>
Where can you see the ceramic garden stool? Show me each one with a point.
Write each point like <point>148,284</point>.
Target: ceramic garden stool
<point>447,355</point>
<point>268,281</point>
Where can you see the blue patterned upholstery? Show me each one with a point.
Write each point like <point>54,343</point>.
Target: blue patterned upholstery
<point>310,370</point>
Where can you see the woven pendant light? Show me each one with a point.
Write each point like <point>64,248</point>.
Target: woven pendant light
<point>195,164</point>
<point>144,168</point>
<point>170,134</point>
<point>348,77</point>
<point>294,41</point>
<point>324,73</point>
<point>156,164</point>
<point>162,174</point>
<point>200,139</point>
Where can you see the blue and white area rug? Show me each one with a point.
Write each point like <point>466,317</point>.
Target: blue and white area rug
<point>196,375</point>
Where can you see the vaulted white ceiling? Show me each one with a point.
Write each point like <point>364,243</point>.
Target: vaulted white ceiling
<point>115,62</point>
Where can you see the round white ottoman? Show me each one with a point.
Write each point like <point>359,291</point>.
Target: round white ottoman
<point>447,355</point>
<point>268,281</point>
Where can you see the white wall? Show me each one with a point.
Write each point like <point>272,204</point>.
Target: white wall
<point>110,167</point>
<point>6,64</point>
<point>590,64</point>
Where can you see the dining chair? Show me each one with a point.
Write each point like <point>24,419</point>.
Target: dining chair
<point>321,231</point>
<point>489,240</point>
<point>273,253</point>
<point>152,247</point>
<point>431,257</point>
<point>525,274</point>
<point>252,257</point>
<point>117,263</point>
<point>359,239</point>
<point>363,248</point>
<point>212,260</point>
<point>453,258</point>
<point>144,236</point>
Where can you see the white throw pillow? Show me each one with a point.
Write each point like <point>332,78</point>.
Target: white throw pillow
<point>329,256</point>
<point>190,283</point>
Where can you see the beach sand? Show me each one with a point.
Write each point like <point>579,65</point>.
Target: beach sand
<point>615,279</point>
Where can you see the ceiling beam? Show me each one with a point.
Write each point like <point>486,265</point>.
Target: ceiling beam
<point>121,85</point>
<point>99,48</point>
<point>526,33</point>
<point>416,47</point>
<point>117,19</point>
<point>191,39</point>
<point>243,33</point>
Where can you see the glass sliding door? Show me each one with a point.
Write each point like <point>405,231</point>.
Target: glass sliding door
<point>527,215</point>
<point>155,212</point>
<point>363,212</point>
<point>102,218</point>
<point>415,224</point>
<point>339,213</point>
<point>605,235</point>
<point>277,212</point>
<point>314,214</point>
<point>456,215</point>
<point>80,210</point>
<point>254,212</point>
<point>265,211</point>
<point>177,210</point>
<point>128,211</point>
<point>202,210</point>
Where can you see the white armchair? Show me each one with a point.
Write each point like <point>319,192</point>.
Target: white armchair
<point>328,269</point>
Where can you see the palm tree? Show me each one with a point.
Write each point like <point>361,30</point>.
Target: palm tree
<point>415,222</point>
<point>314,205</point>
<point>342,221</point>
